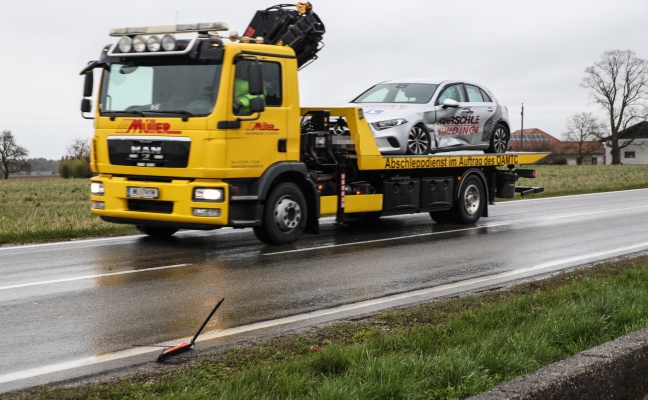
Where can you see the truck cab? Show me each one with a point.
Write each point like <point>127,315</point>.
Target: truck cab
<point>188,114</point>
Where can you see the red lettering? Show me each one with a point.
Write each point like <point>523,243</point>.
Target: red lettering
<point>145,126</point>
<point>135,126</point>
<point>263,126</point>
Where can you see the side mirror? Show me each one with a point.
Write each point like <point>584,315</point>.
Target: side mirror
<point>255,79</point>
<point>257,105</point>
<point>88,84</point>
<point>86,105</point>
<point>450,103</point>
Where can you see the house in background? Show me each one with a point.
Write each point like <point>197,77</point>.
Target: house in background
<point>532,139</point>
<point>637,151</point>
<point>562,152</point>
<point>590,152</point>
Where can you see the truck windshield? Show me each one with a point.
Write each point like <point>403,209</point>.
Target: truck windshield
<point>418,93</point>
<point>185,88</point>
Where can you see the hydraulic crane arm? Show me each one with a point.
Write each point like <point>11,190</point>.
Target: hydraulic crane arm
<point>296,26</point>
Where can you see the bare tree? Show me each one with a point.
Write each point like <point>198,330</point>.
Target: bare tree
<point>619,82</point>
<point>13,158</point>
<point>584,131</point>
<point>80,148</point>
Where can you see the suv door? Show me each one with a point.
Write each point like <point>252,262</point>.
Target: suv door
<point>455,124</point>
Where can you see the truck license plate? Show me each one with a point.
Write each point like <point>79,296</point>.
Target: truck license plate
<point>142,192</point>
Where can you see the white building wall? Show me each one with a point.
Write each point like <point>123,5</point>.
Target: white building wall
<point>638,148</point>
<point>600,160</point>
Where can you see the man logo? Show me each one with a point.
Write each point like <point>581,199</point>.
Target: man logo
<point>146,153</point>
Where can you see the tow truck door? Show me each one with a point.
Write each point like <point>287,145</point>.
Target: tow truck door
<point>261,139</point>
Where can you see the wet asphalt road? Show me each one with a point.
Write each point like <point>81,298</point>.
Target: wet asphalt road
<point>65,301</point>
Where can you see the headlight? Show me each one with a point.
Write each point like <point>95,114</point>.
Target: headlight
<point>390,123</point>
<point>97,188</point>
<point>209,194</point>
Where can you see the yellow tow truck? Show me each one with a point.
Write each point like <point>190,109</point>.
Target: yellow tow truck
<point>194,130</point>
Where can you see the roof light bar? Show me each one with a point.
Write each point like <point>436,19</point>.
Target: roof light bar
<point>162,29</point>
<point>141,46</point>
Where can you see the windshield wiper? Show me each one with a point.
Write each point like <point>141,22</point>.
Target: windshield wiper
<point>113,114</point>
<point>185,114</point>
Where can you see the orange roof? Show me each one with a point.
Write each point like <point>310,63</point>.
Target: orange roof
<point>535,139</point>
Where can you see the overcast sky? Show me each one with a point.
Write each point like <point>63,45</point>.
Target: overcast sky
<point>531,52</point>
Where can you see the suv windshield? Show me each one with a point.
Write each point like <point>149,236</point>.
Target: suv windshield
<point>185,88</point>
<point>418,93</point>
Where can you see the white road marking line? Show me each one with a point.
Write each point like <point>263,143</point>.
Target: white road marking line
<point>381,240</point>
<point>594,212</point>
<point>535,199</point>
<point>79,241</point>
<point>68,365</point>
<point>79,278</point>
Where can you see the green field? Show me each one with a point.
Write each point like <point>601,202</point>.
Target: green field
<point>50,209</point>
<point>40,210</point>
<point>561,180</point>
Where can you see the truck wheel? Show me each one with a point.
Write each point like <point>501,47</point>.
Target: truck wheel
<point>470,204</point>
<point>156,232</point>
<point>284,215</point>
<point>499,140</point>
<point>418,140</point>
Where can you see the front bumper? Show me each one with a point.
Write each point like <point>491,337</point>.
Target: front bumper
<point>174,204</point>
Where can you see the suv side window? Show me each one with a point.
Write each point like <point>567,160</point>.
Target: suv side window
<point>454,92</point>
<point>474,94</point>
<point>486,97</point>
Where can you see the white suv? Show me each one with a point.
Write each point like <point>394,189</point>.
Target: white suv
<point>428,116</point>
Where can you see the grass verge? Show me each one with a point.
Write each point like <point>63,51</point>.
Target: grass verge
<point>42,210</point>
<point>562,180</point>
<point>446,349</point>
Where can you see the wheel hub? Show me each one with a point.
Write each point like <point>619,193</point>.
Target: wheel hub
<point>418,143</point>
<point>287,214</point>
<point>472,200</point>
<point>499,140</point>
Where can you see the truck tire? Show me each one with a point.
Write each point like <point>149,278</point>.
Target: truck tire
<point>284,215</point>
<point>156,232</point>
<point>468,207</point>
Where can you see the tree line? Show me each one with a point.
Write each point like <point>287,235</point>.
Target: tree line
<point>14,159</point>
